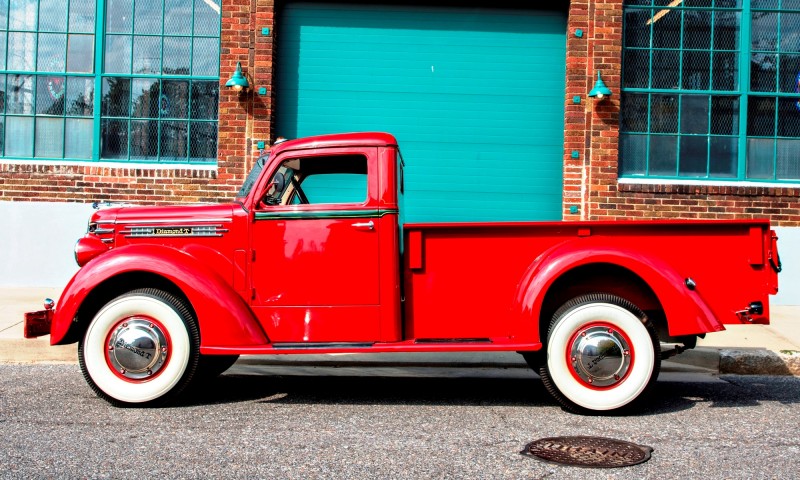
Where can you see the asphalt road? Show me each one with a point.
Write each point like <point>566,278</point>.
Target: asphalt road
<point>350,423</point>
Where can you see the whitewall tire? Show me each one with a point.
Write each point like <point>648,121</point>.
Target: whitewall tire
<point>141,348</point>
<point>602,354</point>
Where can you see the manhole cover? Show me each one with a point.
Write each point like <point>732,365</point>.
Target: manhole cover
<point>596,452</point>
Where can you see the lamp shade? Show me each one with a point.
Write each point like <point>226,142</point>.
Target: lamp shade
<point>238,81</point>
<point>600,89</point>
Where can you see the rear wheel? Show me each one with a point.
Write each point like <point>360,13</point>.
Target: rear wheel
<point>602,354</point>
<point>141,348</point>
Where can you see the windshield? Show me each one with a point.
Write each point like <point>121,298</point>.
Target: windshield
<point>253,176</point>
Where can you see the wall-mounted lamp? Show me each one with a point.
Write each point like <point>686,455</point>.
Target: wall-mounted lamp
<point>600,90</point>
<point>238,81</point>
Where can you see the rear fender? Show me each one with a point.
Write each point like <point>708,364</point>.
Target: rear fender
<point>685,310</point>
<point>223,316</point>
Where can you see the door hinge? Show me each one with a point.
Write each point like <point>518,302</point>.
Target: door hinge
<point>253,257</point>
<point>252,294</point>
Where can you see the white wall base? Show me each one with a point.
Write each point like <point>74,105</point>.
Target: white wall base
<point>37,242</point>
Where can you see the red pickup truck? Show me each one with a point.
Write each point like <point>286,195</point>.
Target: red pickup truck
<point>313,256</point>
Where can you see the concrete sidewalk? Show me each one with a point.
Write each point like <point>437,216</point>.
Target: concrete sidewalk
<point>744,349</point>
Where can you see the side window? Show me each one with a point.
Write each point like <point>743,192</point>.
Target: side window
<point>319,180</point>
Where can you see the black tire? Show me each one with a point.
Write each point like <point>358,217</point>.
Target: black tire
<point>141,349</point>
<point>602,354</point>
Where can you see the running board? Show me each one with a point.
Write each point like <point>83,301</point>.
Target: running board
<point>319,346</point>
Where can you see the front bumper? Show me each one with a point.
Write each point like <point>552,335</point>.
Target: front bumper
<point>37,323</point>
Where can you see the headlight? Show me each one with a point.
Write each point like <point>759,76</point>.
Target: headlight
<point>87,248</point>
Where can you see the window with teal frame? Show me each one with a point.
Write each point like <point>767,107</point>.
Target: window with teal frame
<point>113,80</point>
<point>711,90</point>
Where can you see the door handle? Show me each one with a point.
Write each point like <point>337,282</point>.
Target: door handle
<point>368,225</point>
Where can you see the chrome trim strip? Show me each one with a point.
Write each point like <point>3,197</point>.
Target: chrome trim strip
<point>142,231</point>
<point>191,221</point>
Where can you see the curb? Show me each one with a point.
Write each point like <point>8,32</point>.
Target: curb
<point>723,361</point>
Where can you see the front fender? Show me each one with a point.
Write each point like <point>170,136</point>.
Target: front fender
<point>222,315</point>
<point>686,312</point>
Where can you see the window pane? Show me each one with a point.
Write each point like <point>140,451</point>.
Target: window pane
<point>761,117</point>
<point>726,71</point>
<point>724,115</point>
<point>144,139</point>
<point>147,55</point>
<point>697,29</point>
<point>174,140</point>
<point>116,97</point>
<point>664,113</point>
<point>633,112</point>
<point>2,134</point>
<point>694,114</point>
<point>54,16</point>
<point>50,95</point>
<point>80,97</point>
<point>145,98</point>
<point>79,138</point>
<point>204,141</point>
<point>81,16</point>
<point>178,17</point>
<point>206,17</point>
<point>694,156</point>
<point>789,78</point>
<point>80,54</point>
<point>637,28</point>
<point>633,154</point>
<point>696,70</point>
<point>637,68</point>
<point>724,156</point>
<point>667,29</point>
<point>21,51</point>
<point>119,16</point>
<point>148,16</point>
<point>3,20</point>
<point>663,155</point>
<point>22,14</point>
<point>177,55</point>
<point>760,153</point>
<point>3,96</point>
<point>114,139</point>
<point>666,69</point>
<point>2,52</point>
<point>19,137</point>
<point>174,99</point>
<point>205,57</point>
<point>789,118</point>
<point>726,30</point>
<point>51,52</point>
<point>205,100</point>
<point>763,72</point>
<point>788,159</point>
<point>118,54</point>
<point>790,32</point>
<point>49,137</point>
<point>20,94</point>
<point>764,31</point>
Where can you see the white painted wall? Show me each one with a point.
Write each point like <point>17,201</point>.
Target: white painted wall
<point>37,241</point>
<point>789,278</point>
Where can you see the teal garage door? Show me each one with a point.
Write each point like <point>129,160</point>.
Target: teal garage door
<point>475,97</point>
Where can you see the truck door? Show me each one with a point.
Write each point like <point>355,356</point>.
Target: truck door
<point>315,272</point>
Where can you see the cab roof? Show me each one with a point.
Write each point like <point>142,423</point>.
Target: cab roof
<point>367,139</point>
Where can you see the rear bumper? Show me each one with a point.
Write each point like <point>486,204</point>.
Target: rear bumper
<point>37,323</point>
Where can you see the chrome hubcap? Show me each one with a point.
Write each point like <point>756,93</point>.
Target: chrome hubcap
<point>137,349</point>
<point>600,356</point>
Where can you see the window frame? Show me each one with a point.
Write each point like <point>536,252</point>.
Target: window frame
<point>743,92</point>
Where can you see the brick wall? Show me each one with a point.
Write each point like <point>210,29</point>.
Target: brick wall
<point>592,130</point>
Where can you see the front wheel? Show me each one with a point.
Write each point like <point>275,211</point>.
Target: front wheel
<point>602,354</point>
<point>141,348</point>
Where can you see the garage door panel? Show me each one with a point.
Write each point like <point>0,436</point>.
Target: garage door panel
<point>474,96</point>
